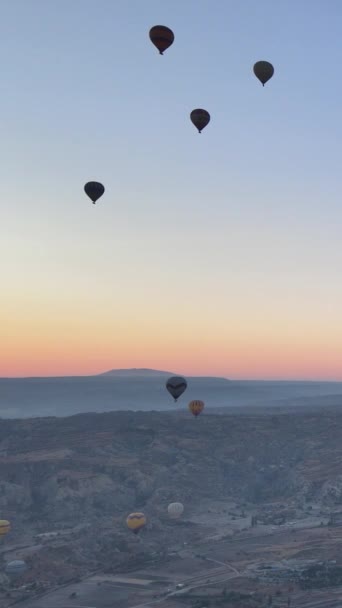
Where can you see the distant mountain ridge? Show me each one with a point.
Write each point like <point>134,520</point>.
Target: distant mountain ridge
<point>137,371</point>
<point>142,372</point>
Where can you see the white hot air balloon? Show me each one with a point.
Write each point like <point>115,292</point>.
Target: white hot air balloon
<point>15,568</point>
<point>175,510</point>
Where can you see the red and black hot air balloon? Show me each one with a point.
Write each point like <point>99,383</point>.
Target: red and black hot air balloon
<point>162,37</point>
<point>200,118</point>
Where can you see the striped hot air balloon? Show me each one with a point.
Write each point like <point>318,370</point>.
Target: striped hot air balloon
<point>94,190</point>
<point>15,568</point>
<point>176,385</point>
<point>175,510</point>
<point>196,407</point>
<point>135,522</point>
<point>5,527</point>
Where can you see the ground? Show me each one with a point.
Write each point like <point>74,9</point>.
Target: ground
<point>280,471</point>
<point>210,565</point>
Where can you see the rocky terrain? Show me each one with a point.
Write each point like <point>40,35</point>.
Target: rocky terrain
<point>67,484</point>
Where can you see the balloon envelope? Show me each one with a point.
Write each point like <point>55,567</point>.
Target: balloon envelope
<point>196,407</point>
<point>136,521</point>
<point>176,385</point>
<point>263,70</point>
<point>94,190</point>
<point>5,527</point>
<point>200,118</point>
<point>162,37</point>
<point>16,567</point>
<point>175,509</point>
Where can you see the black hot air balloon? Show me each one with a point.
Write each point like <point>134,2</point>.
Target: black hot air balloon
<point>94,190</point>
<point>162,37</point>
<point>200,118</point>
<point>176,386</point>
<point>263,70</point>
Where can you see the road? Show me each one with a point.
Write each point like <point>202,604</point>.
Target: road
<point>209,559</point>
<point>218,575</point>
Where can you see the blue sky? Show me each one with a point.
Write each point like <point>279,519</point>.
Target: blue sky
<point>244,219</point>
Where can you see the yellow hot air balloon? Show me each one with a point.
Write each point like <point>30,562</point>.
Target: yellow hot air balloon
<point>135,522</point>
<point>196,407</point>
<point>5,527</point>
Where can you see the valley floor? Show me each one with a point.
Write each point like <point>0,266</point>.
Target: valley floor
<point>271,537</point>
<point>257,562</point>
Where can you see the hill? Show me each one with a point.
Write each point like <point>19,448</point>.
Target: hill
<point>154,373</point>
<point>137,372</point>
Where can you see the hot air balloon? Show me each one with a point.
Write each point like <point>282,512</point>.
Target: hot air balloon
<point>176,385</point>
<point>15,568</point>
<point>196,407</point>
<point>5,527</point>
<point>135,522</point>
<point>162,37</point>
<point>175,509</point>
<point>94,190</point>
<point>200,118</point>
<point>263,71</point>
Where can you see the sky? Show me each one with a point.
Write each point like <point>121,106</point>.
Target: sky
<point>215,254</point>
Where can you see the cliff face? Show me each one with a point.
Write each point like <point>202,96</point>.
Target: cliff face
<point>61,472</point>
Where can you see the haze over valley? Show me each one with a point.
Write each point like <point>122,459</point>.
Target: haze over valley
<point>141,389</point>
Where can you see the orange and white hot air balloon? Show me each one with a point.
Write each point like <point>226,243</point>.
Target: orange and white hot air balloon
<point>196,407</point>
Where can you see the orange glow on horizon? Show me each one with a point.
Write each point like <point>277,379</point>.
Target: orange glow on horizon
<point>89,333</point>
<point>68,355</point>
